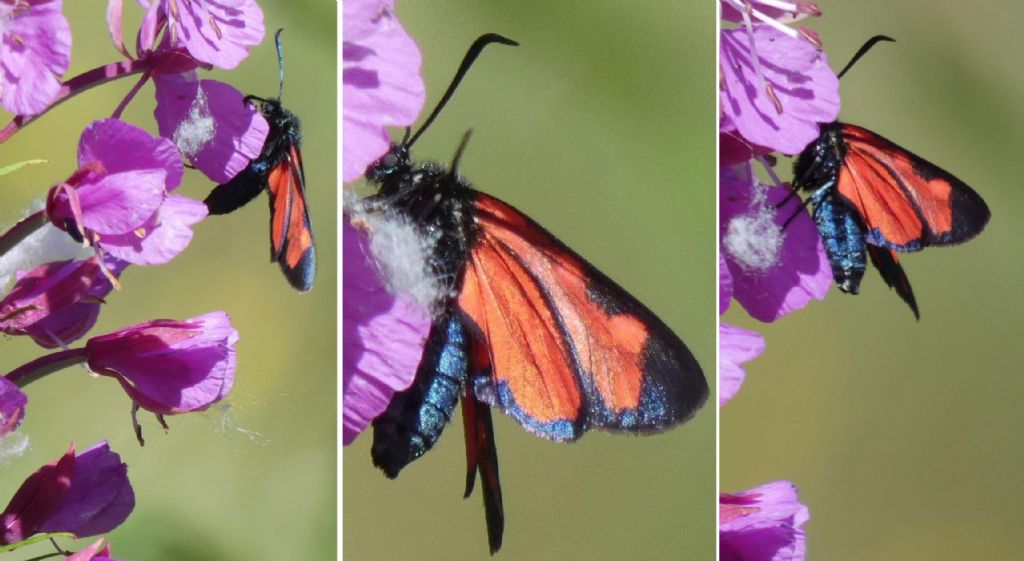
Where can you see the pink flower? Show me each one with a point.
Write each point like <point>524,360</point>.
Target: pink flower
<point>12,407</point>
<point>381,81</point>
<point>763,524</point>
<point>735,347</point>
<point>84,494</point>
<point>218,33</point>
<point>168,366</point>
<point>774,270</point>
<point>210,124</point>
<point>383,338</point>
<point>35,51</point>
<point>732,10</point>
<point>98,551</point>
<point>776,94</point>
<point>58,302</point>
<point>118,199</point>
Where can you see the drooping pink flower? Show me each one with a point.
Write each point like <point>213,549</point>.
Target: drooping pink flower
<point>735,347</point>
<point>774,270</point>
<point>218,33</point>
<point>70,324</point>
<point>763,524</point>
<point>169,366</point>
<point>383,338</point>
<point>82,494</point>
<point>118,199</point>
<point>380,79</point>
<point>56,303</point>
<point>776,94</point>
<point>35,51</point>
<point>209,123</point>
<point>12,407</point>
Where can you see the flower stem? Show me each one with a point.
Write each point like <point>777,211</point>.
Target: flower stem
<point>131,94</point>
<point>48,364</point>
<point>21,230</point>
<point>84,81</point>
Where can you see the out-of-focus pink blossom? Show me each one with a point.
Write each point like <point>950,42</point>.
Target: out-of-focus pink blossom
<point>383,339</point>
<point>380,79</point>
<point>35,51</point>
<point>776,94</point>
<point>763,524</point>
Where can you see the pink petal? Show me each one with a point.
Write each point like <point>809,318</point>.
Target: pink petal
<point>100,497</point>
<point>724,284</point>
<point>119,146</point>
<point>166,236</point>
<point>115,9</point>
<point>12,406</point>
<point>121,202</point>
<point>735,347</point>
<point>383,339</point>
<point>801,273</point>
<point>381,82</point>
<point>169,366</point>
<point>763,524</point>
<point>799,73</point>
<point>218,132</point>
<point>219,33</point>
<point>34,54</point>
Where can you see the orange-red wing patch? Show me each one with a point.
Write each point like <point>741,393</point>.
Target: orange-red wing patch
<point>291,235</point>
<point>906,202</point>
<point>568,347</point>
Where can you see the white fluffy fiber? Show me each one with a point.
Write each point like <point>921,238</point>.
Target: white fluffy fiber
<point>400,253</point>
<point>198,128</point>
<point>42,246</point>
<point>754,240</point>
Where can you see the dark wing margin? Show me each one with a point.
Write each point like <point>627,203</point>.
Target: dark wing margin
<point>291,234</point>
<point>906,202</point>
<point>570,348</point>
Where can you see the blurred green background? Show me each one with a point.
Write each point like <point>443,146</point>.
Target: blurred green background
<point>905,437</point>
<point>256,477</point>
<point>601,127</point>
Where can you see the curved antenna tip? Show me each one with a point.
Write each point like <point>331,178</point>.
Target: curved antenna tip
<point>474,51</point>
<point>863,50</point>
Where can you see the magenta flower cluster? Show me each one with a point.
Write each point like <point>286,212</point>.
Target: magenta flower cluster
<point>119,208</point>
<point>384,328</point>
<point>775,89</point>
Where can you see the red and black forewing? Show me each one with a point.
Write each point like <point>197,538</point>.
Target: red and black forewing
<point>569,349</point>
<point>291,235</point>
<point>906,202</point>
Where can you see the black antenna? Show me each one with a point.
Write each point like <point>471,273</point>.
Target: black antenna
<point>474,51</point>
<point>280,63</point>
<point>864,49</point>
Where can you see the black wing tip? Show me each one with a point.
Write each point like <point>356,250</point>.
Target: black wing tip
<point>302,276</point>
